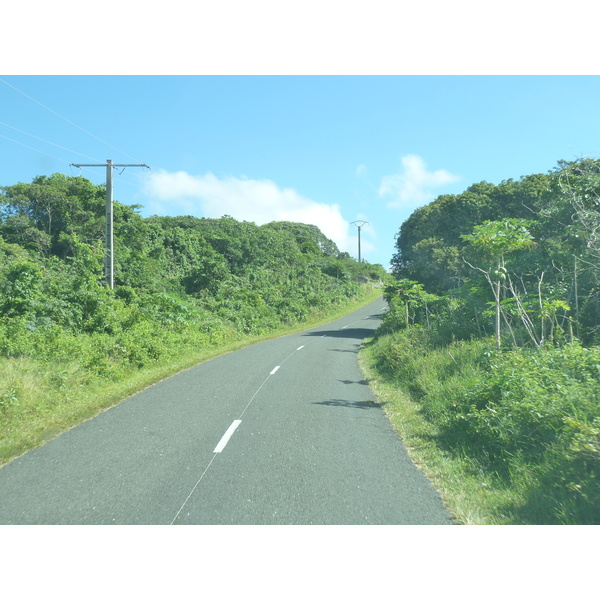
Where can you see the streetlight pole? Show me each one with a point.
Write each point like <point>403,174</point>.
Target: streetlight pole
<point>359,224</point>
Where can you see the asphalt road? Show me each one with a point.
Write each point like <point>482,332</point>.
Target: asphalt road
<point>282,432</point>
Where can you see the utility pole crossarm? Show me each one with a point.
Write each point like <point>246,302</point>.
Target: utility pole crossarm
<point>109,255</point>
<point>78,166</point>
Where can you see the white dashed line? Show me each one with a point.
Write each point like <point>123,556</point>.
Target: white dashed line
<point>227,435</point>
<point>274,371</point>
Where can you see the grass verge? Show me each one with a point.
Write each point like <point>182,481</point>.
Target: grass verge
<point>470,499</point>
<point>40,399</point>
<point>509,437</point>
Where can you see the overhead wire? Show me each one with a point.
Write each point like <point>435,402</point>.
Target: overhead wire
<point>31,148</point>
<point>46,141</point>
<point>67,120</point>
<point>91,171</point>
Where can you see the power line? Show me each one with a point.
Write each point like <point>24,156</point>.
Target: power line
<point>53,156</point>
<point>65,119</point>
<point>52,143</point>
<point>30,148</point>
<point>43,140</point>
<point>81,168</point>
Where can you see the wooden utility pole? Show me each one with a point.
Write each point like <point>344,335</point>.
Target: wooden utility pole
<point>109,254</point>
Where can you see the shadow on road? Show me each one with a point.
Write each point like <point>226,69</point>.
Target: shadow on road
<point>353,351</point>
<point>359,333</point>
<point>374,317</point>
<point>348,404</point>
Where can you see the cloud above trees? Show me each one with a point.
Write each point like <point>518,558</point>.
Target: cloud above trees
<point>414,185</point>
<point>259,201</point>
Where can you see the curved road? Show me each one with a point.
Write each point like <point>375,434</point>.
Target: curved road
<point>282,432</point>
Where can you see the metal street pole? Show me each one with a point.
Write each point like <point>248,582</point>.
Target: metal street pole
<point>109,254</point>
<point>359,224</point>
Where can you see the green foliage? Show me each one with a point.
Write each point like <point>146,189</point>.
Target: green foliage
<point>34,215</point>
<point>519,260</point>
<point>533,242</point>
<point>179,281</point>
<point>409,302</point>
<point>528,421</point>
<point>498,238</point>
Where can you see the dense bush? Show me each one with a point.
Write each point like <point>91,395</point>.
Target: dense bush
<point>528,419</point>
<point>493,331</point>
<point>179,281</point>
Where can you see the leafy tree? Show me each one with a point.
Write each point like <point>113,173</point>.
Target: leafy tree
<point>53,205</point>
<point>408,296</point>
<point>497,239</point>
<point>560,270</point>
<point>304,233</point>
<point>579,181</point>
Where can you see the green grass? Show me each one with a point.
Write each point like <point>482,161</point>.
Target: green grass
<point>469,496</point>
<point>41,398</point>
<point>507,438</point>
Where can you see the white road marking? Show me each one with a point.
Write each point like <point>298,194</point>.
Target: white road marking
<point>300,348</point>
<point>227,435</point>
<point>274,371</point>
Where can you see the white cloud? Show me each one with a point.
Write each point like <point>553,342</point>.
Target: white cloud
<point>246,200</point>
<point>412,187</point>
<point>361,171</point>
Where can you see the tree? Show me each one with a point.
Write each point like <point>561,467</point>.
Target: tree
<point>411,296</point>
<point>580,182</point>
<point>53,205</point>
<point>496,239</point>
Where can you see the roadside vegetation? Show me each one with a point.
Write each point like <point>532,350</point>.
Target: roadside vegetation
<point>488,360</point>
<point>186,289</point>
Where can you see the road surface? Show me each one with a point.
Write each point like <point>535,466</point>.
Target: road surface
<point>286,431</point>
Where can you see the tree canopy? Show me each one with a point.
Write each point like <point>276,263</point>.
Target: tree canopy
<point>252,277</point>
<point>539,233</point>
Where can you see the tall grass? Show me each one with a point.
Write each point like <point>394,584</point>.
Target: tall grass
<point>519,429</point>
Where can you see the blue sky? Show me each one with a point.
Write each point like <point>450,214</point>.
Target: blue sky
<point>327,150</point>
